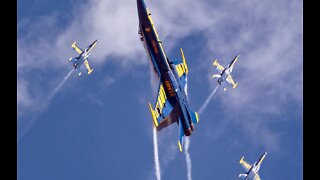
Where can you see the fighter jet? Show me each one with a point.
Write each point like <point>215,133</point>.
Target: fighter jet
<point>172,102</point>
<point>82,58</point>
<point>252,170</point>
<point>225,73</point>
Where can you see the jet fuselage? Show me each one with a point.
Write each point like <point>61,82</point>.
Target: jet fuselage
<point>163,68</point>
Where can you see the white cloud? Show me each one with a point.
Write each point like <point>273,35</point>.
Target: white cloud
<point>266,34</point>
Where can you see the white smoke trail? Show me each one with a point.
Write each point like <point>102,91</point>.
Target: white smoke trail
<point>26,128</point>
<point>156,154</point>
<point>188,159</point>
<point>54,92</point>
<point>203,107</point>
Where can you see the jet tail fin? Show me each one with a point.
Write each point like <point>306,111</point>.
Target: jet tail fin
<point>181,67</point>
<point>184,61</point>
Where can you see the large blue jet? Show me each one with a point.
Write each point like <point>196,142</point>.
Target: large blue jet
<point>171,103</point>
<point>82,58</point>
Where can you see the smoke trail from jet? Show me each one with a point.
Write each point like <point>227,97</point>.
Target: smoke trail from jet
<point>188,159</point>
<point>203,107</point>
<point>28,125</point>
<point>156,154</point>
<point>56,90</point>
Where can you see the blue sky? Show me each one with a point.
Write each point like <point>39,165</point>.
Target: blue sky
<point>100,127</point>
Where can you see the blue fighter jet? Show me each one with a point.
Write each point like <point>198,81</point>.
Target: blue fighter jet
<point>225,73</point>
<point>171,103</point>
<point>82,58</point>
<point>252,170</point>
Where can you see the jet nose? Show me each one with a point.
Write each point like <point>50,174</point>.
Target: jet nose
<point>141,6</point>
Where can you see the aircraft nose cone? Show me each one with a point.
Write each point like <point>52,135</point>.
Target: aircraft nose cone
<point>141,6</point>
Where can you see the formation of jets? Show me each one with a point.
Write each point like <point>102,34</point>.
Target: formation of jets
<point>171,104</point>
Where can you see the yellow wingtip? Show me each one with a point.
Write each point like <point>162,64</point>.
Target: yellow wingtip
<point>73,44</point>
<point>241,160</point>
<point>215,62</point>
<point>153,116</point>
<point>235,85</point>
<point>89,72</point>
<point>197,117</point>
<point>180,147</point>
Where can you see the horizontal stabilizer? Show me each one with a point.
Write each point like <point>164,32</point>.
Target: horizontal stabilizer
<point>194,117</point>
<point>243,176</point>
<point>181,134</point>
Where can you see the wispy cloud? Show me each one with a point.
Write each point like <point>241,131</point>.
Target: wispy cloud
<point>44,46</point>
<point>266,34</point>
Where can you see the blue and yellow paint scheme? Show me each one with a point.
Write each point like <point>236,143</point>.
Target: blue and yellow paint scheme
<point>82,58</point>
<point>251,170</point>
<point>225,73</point>
<point>171,103</point>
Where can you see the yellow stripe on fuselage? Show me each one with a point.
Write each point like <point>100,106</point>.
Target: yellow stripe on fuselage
<point>156,33</point>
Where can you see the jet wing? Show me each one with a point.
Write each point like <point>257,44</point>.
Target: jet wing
<point>256,177</point>
<point>230,80</point>
<point>244,164</point>
<point>161,110</point>
<point>86,63</point>
<point>219,67</point>
<point>75,47</point>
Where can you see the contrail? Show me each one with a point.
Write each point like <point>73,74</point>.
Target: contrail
<point>188,159</point>
<point>26,128</point>
<point>203,107</point>
<point>156,154</point>
<point>187,144</point>
<point>56,90</point>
